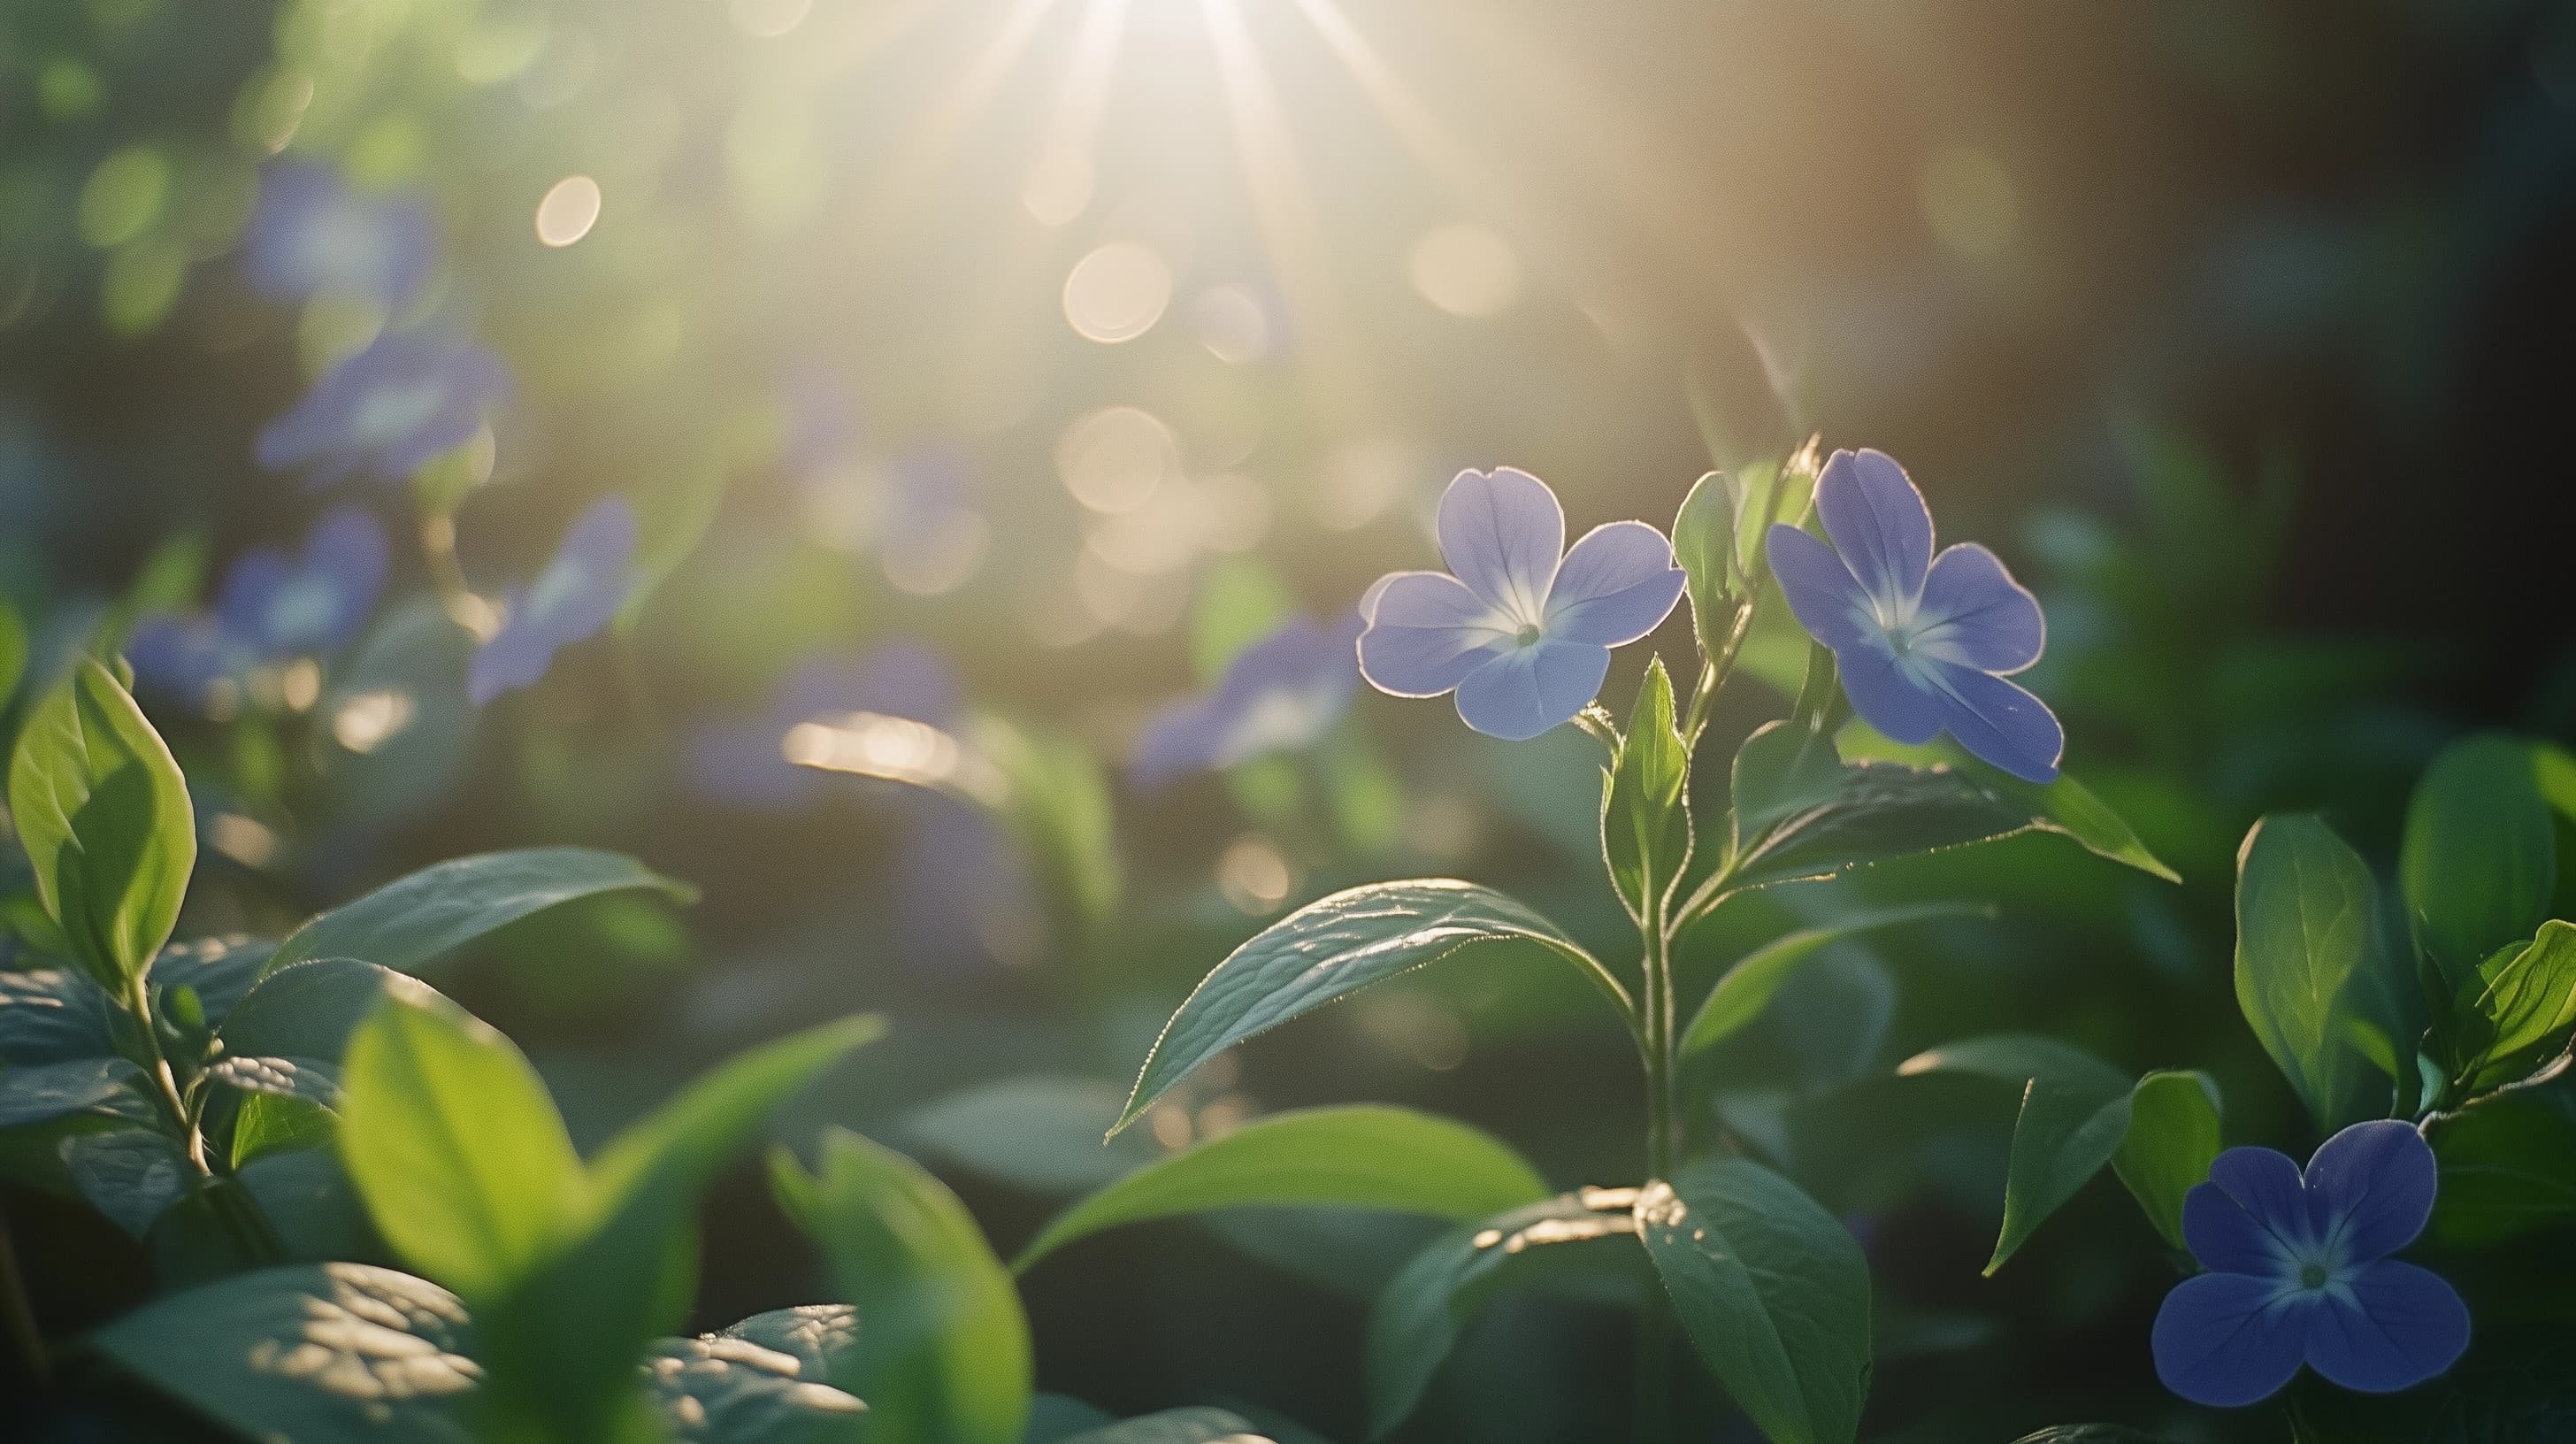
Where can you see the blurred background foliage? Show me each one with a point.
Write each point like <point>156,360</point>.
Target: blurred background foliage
<point>1010,366</point>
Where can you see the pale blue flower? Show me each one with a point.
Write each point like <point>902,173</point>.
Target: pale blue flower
<point>578,594</point>
<point>1522,632</point>
<point>407,399</point>
<point>312,233</point>
<point>2299,1271</point>
<point>1923,642</point>
<point>272,608</point>
<point>1280,694</point>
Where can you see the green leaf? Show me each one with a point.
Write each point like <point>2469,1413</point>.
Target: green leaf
<point>1773,1291</point>
<point>1176,1426</point>
<point>414,919</point>
<point>104,815</point>
<point>2068,807</point>
<point>1785,767</point>
<point>1645,804</point>
<point>13,651</point>
<point>2479,857</point>
<point>1357,1157</point>
<point>1040,1132</point>
<point>947,1357</point>
<point>310,1203</point>
<point>1332,948</point>
<point>761,1381</point>
<point>2508,1168</point>
<point>129,1174</point>
<point>1421,1312</point>
<point>54,1015</point>
<point>2524,1006</point>
<point>455,1147</point>
<point>2171,1141</point>
<point>1748,987</point>
<point>2090,1434</point>
<point>311,1354</point>
<point>1704,544</point>
<point>79,1085</point>
<point>2305,960</point>
<point>2074,1115</point>
<point>310,1009</point>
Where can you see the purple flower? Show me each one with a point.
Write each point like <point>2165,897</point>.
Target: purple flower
<point>1523,631</point>
<point>312,234</point>
<point>407,399</point>
<point>1923,642</point>
<point>2299,1270</point>
<point>578,593</point>
<point>272,608</point>
<point>742,762</point>
<point>1280,694</point>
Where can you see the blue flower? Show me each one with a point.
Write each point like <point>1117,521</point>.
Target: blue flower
<point>742,762</point>
<point>578,593</point>
<point>1923,642</point>
<point>312,234</point>
<point>1521,633</point>
<point>272,608</point>
<point>2299,1270</point>
<point>1282,693</point>
<point>405,400</point>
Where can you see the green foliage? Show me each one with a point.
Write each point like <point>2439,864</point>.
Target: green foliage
<point>1334,947</point>
<point>2172,1139</point>
<point>1353,1157</point>
<point>1055,801</point>
<point>1773,1290</point>
<point>947,1357</point>
<point>761,1381</point>
<point>104,816</point>
<point>1784,767</point>
<point>2516,1011</point>
<point>1420,1314</point>
<point>2308,967</point>
<point>51,1090</point>
<point>1645,804</point>
<point>416,919</point>
<point>128,1174</point>
<point>2479,858</point>
<point>2508,1168</point>
<point>1747,988</point>
<point>1176,1426</point>
<point>1704,543</point>
<point>13,651</point>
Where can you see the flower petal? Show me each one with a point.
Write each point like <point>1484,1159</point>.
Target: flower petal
<point>2372,1185</point>
<point>585,584</point>
<point>2227,1340</point>
<point>2390,1326</point>
<point>517,656</point>
<point>2250,1215</point>
<point>1822,592</point>
<point>1616,585</point>
<point>1888,698</point>
<point>1427,633</point>
<point>1877,521</point>
<point>1528,690</point>
<point>1997,721</point>
<point>1503,533</point>
<point>1975,614</point>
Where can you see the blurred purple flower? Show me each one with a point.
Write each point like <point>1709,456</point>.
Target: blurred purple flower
<point>1523,631</point>
<point>1282,693</point>
<point>311,233</point>
<point>272,608</point>
<point>742,761</point>
<point>578,594</point>
<point>405,400</point>
<point>1923,642</point>
<point>2299,1271</point>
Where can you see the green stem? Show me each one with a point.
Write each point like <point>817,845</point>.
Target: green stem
<point>1714,671</point>
<point>1655,1320</point>
<point>165,1083</point>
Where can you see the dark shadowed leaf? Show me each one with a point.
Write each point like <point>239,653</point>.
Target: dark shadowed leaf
<point>1041,1133</point>
<point>415,919</point>
<point>2479,857</point>
<point>2074,1114</point>
<point>82,1085</point>
<point>762,1381</point>
<point>1745,989</point>
<point>128,1174</point>
<point>1177,1426</point>
<point>2508,1168</point>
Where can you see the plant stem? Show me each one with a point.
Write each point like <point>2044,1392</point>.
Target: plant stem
<point>1655,1319</point>
<point>1714,671</point>
<point>165,1083</point>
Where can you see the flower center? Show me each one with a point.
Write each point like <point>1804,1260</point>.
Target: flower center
<point>2313,1274</point>
<point>1528,635</point>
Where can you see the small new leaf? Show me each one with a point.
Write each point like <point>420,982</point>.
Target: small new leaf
<point>1645,805</point>
<point>2520,1009</point>
<point>1704,544</point>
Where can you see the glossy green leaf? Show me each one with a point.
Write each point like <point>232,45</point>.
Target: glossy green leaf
<point>1704,544</point>
<point>1332,948</point>
<point>1356,1157</point>
<point>2479,857</point>
<point>78,1085</point>
<point>1745,989</point>
<point>2522,1008</point>
<point>219,970</point>
<point>2066,806</point>
<point>1785,767</point>
<point>53,1015</point>
<point>2172,1139</point>
<point>2508,1168</point>
<point>310,1009</point>
<point>2305,957</point>
<point>947,1356</point>
<point>455,1147</point>
<point>103,813</point>
<point>1773,1291</point>
<point>1645,807</point>
<point>310,1203</point>
<point>1420,1313</point>
<point>309,1354</point>
<point>2074,1114</point>
<point>416,919</point>
<point>762,1381</point>
<point>129,1174</point>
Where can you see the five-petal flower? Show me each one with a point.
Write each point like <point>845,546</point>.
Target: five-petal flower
<point>1282,693</point>
<point>1923,642</point>
<point>1522,632</point>
<point>578,593</point>
<point>2299,1271</point>
<point>273,608</point>
<point>407,399</point>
